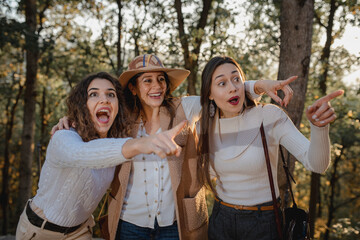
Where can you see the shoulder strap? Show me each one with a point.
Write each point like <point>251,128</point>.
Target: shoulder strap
<point>271,180</point>
<point>288,175</point>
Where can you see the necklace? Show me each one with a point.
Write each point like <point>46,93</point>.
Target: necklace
<point>160,171</point>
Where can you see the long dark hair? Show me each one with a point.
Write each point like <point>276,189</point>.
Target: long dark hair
<point>134,105</point>
<point>79,114</point>
<point>206,121</point>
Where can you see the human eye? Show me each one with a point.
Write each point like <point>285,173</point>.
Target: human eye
<point>147,80</point>
<point>112,95</point>
<point>221,83</point>
<point>93,94</point>
<point>237,79</point>
<point>161,79</point>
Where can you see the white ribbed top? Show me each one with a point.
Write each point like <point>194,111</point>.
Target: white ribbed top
<point>75,176</point>
<point>239,155</point>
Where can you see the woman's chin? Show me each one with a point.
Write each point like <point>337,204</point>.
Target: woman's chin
<point>103,129</point>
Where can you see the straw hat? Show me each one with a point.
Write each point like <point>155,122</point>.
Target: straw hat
<point>151,63</point>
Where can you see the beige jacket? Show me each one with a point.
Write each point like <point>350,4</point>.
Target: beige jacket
<point>189,194</point>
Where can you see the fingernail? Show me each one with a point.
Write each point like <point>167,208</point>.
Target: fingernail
<point>317,120</point>
<point>314,116</point>
<point>322,122</point>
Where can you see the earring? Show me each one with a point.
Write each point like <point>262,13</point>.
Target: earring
<point>212,109</point>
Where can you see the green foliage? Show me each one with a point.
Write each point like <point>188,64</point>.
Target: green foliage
<point>72,46</point>
<point>262,40</point>
<point>345,229</point>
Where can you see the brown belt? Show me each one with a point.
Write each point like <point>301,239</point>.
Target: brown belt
<point>242,207</point>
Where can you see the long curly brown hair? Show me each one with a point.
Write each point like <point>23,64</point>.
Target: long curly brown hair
<point>79,114</point>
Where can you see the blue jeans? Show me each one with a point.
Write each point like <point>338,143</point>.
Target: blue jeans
<point>227,223</point>
<point>129,231</point>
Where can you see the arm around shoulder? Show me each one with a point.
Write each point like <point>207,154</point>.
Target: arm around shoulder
<point>67,149</point>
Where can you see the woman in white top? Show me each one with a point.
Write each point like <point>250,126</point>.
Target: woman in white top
<point>147,87</point>
<point>230,144</point>
<point>162,197</point>
<point>78,168</point>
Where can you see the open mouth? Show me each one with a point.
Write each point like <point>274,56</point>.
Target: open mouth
<point>103,115</point>
<point>155,95</point>
<point>234,100</point>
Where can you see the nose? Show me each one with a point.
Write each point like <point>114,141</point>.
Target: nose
<point>104,98</point>
<point>156,84</point>
<point>233,87</point>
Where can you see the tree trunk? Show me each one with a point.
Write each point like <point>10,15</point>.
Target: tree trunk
<point>325,56</point>
<point>43,133</point>
<point>314,199</point>
<point>191,59</point>
<point>184,41</point>
<point>295,50</point>
<point>331,208</point>
<point>27,138</point>
<point>136,42</point>
<point>5,171</point>
<point>214,27</point>
<point>118,44</point>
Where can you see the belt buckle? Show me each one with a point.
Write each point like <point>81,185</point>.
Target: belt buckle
<point>239,207</point>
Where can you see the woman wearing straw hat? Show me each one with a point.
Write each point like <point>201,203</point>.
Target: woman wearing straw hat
<point>154,197</point>
<point>162,198</point>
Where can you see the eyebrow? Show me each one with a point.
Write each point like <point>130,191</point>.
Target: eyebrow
<point>109,89</point>
<point>235,71</point>
<point>218,76</point>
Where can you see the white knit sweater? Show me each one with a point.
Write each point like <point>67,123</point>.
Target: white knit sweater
<point>75,176</point>
<point>239,156</point>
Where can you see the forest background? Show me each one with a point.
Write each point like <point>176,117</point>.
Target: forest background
<point>48,46</point>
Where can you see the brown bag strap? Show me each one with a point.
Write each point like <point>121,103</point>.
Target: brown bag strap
<point>271,180</point>
<point>288,176</point>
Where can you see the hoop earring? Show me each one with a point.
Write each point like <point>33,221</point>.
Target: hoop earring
<point>212,109</point>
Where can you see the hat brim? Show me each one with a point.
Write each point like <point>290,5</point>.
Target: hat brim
<point>176,75</point>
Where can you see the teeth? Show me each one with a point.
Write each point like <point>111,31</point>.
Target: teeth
<point>155,95</point>
<point>104,110</point>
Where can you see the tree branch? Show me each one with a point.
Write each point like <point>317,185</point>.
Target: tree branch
<point>201,25</point>
<point>183,37</point>
<point>42,16</point>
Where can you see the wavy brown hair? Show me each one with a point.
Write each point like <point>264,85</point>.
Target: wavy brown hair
<point>79,114</point>
<point>134,105</point>
<point>206,122</point>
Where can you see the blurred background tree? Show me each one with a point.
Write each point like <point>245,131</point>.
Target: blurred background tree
<point>48,46</point>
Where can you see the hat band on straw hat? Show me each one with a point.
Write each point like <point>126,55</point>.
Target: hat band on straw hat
<point>151,63</point>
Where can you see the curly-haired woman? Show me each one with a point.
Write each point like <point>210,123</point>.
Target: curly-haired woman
<point>156,197</point>
<point>78,168</point>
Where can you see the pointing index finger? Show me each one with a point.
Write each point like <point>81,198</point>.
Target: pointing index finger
<point>331,96</point>
<point>177,129</point>
<point>289,80</point>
